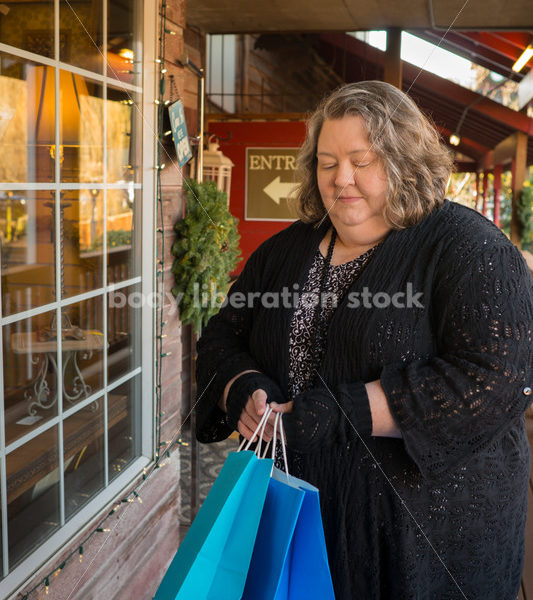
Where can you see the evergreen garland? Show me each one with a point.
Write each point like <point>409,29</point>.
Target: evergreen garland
<point>206,250</point>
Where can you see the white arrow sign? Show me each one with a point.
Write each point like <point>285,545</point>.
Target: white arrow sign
<point>277,189</point>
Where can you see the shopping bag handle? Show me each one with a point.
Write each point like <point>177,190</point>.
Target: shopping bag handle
<point>261,426</point>
<point>260,430</point>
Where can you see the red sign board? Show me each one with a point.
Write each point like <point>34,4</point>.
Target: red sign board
<point>237,141</point>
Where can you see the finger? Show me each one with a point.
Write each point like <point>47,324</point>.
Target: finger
<point>281,408</point>
<point>246,432</point>
<point>249,420</point>
<point>259,398</point>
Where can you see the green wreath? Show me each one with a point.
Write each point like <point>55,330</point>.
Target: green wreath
<point>206,250</point>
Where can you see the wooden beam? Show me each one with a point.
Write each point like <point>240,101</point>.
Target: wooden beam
<point>505,151</point>
<point>519,175</point>
<point>392,68</point>
<point>448,90</point>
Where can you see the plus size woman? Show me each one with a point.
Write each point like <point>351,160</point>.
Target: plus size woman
<point>400,352</point>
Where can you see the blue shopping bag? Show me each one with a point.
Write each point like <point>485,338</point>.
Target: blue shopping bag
<point>212,561</point>
<point>290,560</point>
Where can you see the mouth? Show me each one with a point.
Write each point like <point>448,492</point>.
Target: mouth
<point>349,199</point>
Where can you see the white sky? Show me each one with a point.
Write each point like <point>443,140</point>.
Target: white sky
<point>429,57</point>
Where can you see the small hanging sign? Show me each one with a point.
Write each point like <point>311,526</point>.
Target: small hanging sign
<point>179,132</point>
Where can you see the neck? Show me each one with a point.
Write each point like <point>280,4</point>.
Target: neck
<point>354,237</point>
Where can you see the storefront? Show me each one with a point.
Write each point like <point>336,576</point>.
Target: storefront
<point>77,214</point>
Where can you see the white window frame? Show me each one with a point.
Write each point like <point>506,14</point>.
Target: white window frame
<point>23,572</point>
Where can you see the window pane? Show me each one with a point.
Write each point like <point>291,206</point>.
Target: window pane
<point>83,348</point>
<point>123,136</point>
<point>29,26</point>
<point>27,121</point>
<point>123,48</point>
<point>123,331</point>
<point>84,456</point>
<point>32,494</point>
<point>82,241</point>
<point>82,129</point>
<point>26,249</point>
<point>124,425</point>
<point>81,27</point>
<point>122,246</point>
<point>30,374</point>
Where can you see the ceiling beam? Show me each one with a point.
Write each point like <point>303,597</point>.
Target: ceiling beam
<point>437,85</point>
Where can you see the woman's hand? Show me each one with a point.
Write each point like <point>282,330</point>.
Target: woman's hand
<point>250,417</point>
<point>246,403</point>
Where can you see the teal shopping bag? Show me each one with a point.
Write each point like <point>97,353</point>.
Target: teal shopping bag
<point>212,561</point>
<point>290,560</point>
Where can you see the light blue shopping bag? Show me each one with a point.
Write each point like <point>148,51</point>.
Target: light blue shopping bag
<point>290,560</point>
<point>212,561</point>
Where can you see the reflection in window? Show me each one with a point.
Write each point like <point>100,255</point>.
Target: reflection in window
<point>123,423</point>
<point>123,331</point>
<point>123,149</point>
<point>27,121</point>
<point>82,129</point>
<point>83,350</point>
<point>123,50</point>
<point>32,494</point>
<point>81,24</point>
<point>26,249</point>
<point>30,374</point>
<point>121,231</point>
<point>83,435</point>
<point>81,241</point>
<point>29,26</point>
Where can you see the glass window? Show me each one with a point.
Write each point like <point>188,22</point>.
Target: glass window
<point>123,331</point>
<point>30,374</point>
<point>81,109</point>
<point>27,120</point>
<point>123,49</point>
<point>70,366</point>
<point>29,26</point>
<point>81,27</point>
<point>27,246</point>
<point>124,425</point>
<point>84,456</point>
<point>32,481</point>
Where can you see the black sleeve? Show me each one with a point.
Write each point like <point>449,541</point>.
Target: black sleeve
<point>223,349</point>
<point>457,403</point>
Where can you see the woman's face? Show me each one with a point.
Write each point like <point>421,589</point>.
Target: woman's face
<point>351,178</point>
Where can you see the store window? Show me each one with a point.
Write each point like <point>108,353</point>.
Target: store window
<point>70,245</point>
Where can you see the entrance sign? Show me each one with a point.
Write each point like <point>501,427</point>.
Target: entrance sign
<point>270,181</point>
<point>179,132</point>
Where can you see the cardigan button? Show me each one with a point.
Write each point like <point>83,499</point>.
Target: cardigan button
<point>527,391</point>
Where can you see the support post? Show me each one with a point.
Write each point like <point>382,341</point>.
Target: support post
<point>519,175</point>
<point>497,192</point>
<point>392,71</point>
<point>485,191</point>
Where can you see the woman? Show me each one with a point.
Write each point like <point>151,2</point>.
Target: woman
<point>404,387</point>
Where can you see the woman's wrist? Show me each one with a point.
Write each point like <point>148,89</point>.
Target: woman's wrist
<point>224,398</point>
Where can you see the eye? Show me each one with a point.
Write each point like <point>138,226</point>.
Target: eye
<point>361,166</point>
<point>327,166</point>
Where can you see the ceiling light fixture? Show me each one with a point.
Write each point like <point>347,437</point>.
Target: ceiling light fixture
<point>523,59</point>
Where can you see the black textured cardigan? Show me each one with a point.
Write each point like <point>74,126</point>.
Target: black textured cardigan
<point>441,512</point>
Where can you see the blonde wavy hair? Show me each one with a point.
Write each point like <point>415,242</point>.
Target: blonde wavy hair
<point>416,162</point>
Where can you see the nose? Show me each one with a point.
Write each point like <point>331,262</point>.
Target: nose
<point>345,174</point>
